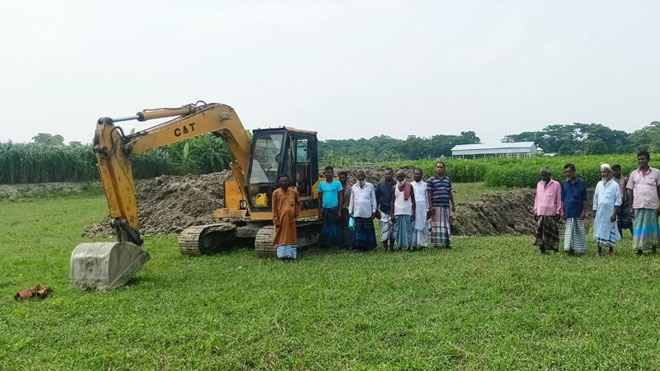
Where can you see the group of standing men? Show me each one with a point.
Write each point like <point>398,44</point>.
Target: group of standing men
<point>619,203</point>
<point>407,211</point>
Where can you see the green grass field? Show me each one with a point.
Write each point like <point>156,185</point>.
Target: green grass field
<point>490,303</point>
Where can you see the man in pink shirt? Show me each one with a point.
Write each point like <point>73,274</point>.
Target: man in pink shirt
<point>547,211</point>
<point>644,194</point>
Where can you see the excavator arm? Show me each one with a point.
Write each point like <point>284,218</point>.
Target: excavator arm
<point>113,149</point>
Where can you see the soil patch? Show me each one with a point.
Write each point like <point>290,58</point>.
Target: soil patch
<point>169,204</point>
<point>33,189</point>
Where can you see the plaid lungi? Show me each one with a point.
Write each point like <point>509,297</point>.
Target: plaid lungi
<point>645,228</point>
<point>403,228</point>
<point>386,227</point>
<point>287,252</point>
<point>365,234</point>
<point>440,228</point>
<point>574,238</point>
<point>331,229</point>
<point>547,233</point>
<point>624,217</point>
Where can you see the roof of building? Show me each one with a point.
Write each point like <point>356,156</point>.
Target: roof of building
<point>482,146</point>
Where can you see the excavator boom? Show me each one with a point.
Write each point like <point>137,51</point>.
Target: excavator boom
<point>110,265</point>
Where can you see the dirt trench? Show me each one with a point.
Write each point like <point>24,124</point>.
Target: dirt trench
<point>169,204</point>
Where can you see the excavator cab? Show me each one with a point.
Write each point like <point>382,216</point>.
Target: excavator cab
<point>281,151</point>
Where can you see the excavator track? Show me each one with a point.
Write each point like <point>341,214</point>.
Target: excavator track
<point>206,239</point>
<point>308,235</point>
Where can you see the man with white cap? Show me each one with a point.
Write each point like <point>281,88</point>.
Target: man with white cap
<point>607,200</point>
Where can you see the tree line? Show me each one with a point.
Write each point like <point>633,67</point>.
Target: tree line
<point>591,139</point>
<point>568,139</point>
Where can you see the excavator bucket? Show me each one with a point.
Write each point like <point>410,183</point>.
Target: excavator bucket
<point>105,265</point>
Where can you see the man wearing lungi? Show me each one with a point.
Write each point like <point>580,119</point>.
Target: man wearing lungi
<point>347,233</point>
<point>330,198</point>
<point>625,216</point>
<point>421,225</point>
<point>384,192</point>
<point>440,195</point>
<point>362,208</point>
<point>547,211</point>
<point>403,212</point>
<point>286,207</point>
<point>607,199</point>
<point>643,192</point>
<point>574,199</point>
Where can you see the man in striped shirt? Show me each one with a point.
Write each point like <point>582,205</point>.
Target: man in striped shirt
<point>440,195</point>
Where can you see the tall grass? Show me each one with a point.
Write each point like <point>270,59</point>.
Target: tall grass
<point>36,163</point>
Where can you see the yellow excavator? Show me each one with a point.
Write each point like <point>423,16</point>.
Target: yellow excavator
<point>246,217</point>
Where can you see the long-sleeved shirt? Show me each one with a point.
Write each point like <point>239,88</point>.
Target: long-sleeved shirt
<point>573,195</point>
<point>363,201</point>
<point>384,192</point>
<point>548,198</point>
<point>607,197</point>
<point>645,188</point>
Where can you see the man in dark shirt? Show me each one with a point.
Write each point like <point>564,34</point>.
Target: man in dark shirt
<point>384,192</point>
<point>440,196</point>
<point>574,199</point>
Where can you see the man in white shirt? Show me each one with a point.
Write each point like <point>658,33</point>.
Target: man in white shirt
<point>362,208</point>
<point>421,224</point>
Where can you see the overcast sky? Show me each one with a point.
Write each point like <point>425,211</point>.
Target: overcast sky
<point>345,69</point>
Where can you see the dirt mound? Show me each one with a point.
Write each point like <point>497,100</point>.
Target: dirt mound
<point>169,204</point>
<point>496,213</point>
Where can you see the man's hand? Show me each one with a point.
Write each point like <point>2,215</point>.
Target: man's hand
<point>412,217</point>
<point>613,218</point>
<point>321,216</point>
<point>583,215</point>
<point>373,215</point>
<point>339,215</point>
<point>556,217</point>
<point>377,214</point>
<point>429,213</point>
<point>453,208</point>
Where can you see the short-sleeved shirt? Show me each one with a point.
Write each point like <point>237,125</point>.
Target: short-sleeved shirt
<point>384,192</point>
<point>330,193</point>
<point>440,188</point>
<point>573,195</point>
<point>645,188</point>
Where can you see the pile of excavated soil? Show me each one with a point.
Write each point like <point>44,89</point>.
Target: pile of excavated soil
<point>496,213</point>
<point>169,204</point>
